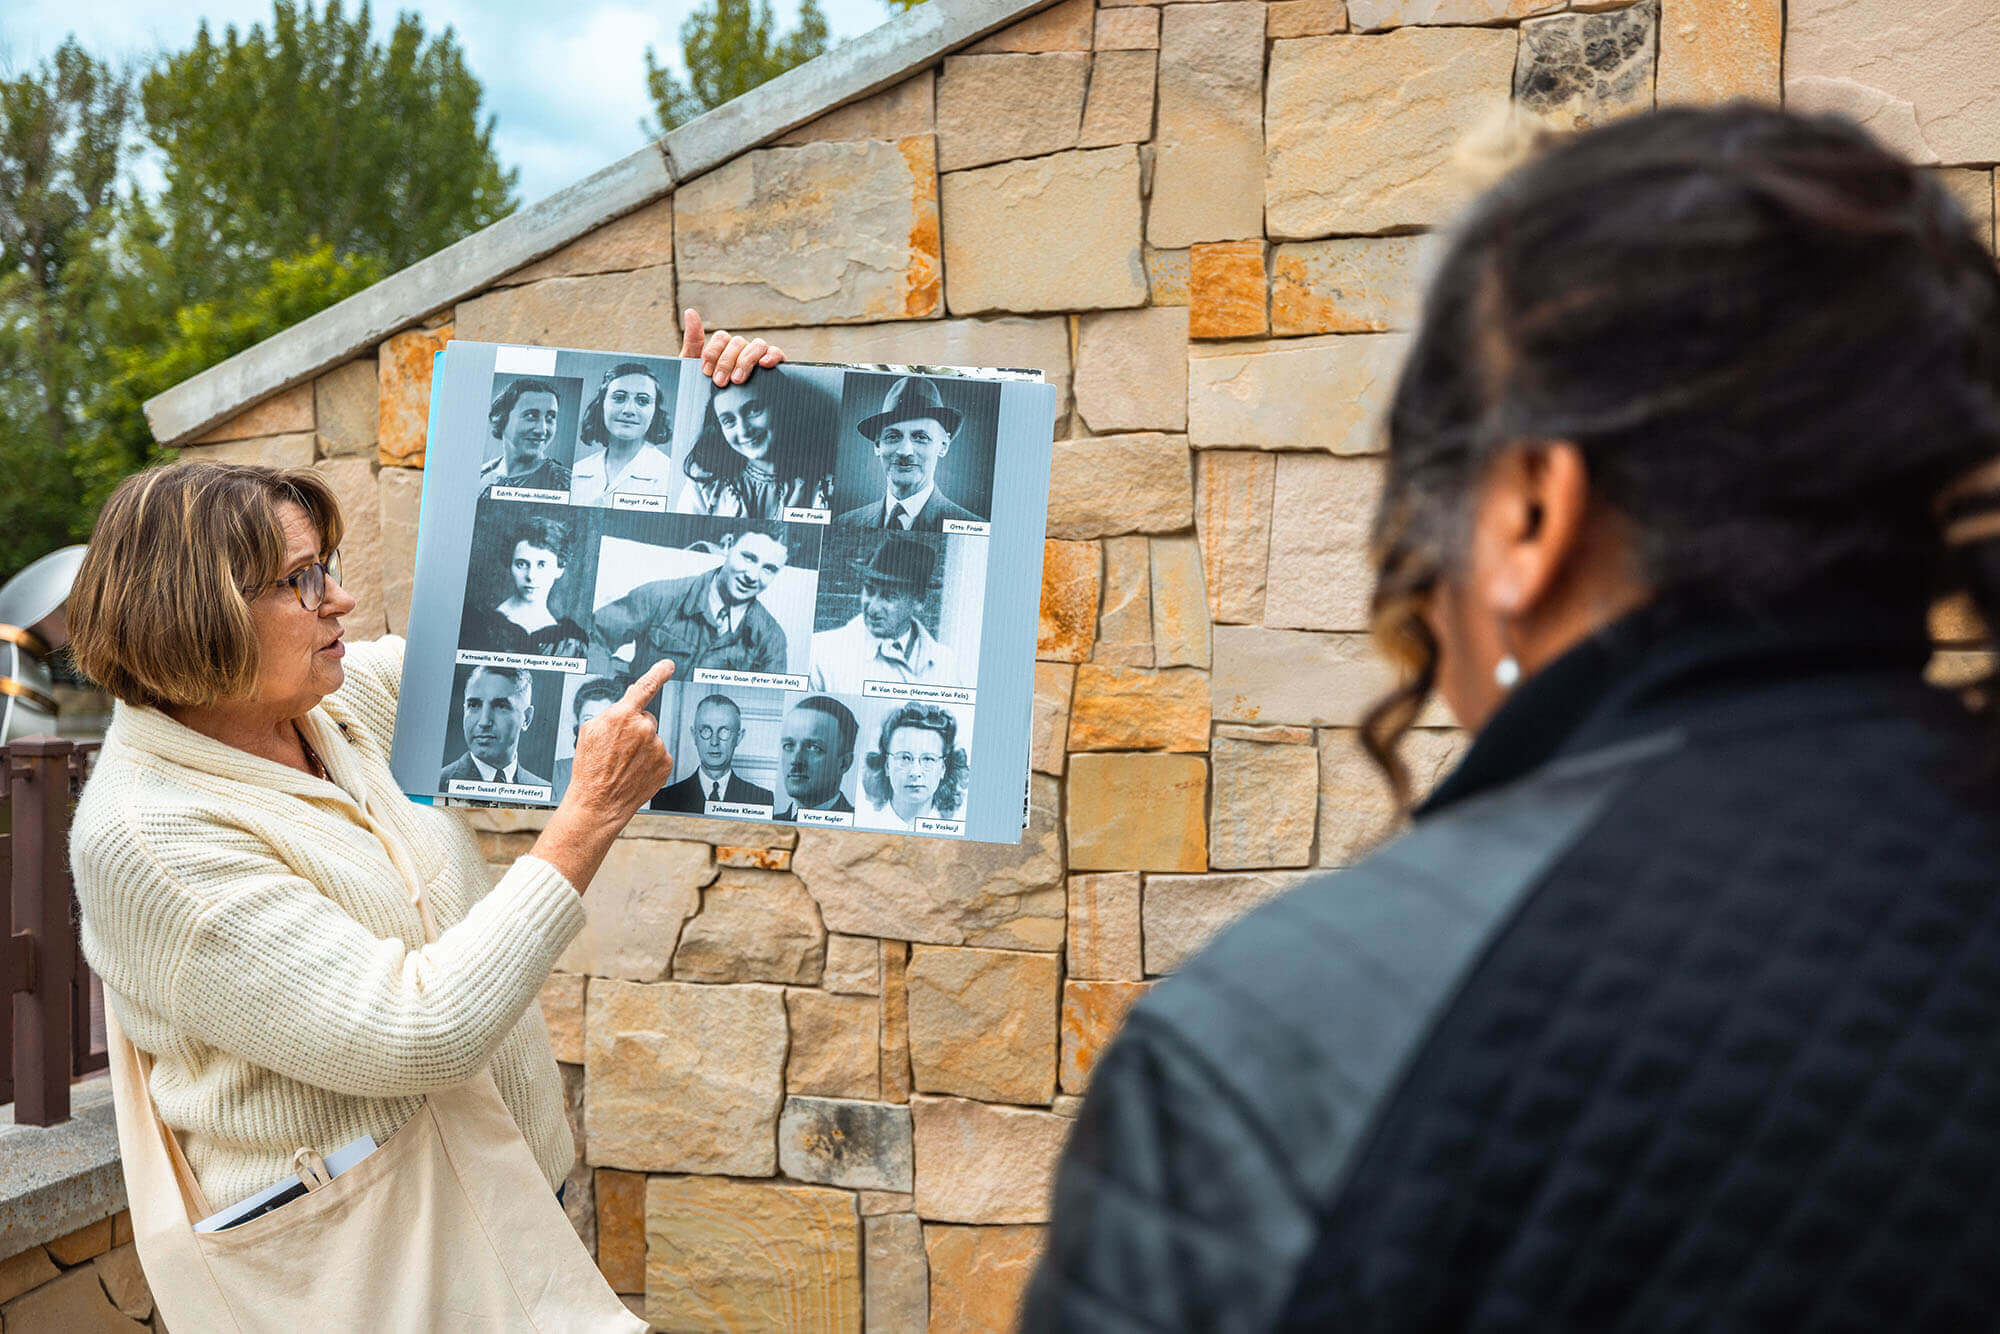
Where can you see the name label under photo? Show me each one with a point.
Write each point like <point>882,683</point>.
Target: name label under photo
<point>967,527</point>
<point>738,810</point>
<point>795,515</point>
<point>528,493</point>
<point>716,676</point>
<point>469,787</point>
<point>830,819</point>
<point>638,500</point>
<point>930,826</point>
<point>928,694</point>
<point>479,657</point>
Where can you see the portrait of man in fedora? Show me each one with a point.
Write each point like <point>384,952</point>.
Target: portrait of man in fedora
<point>911,434</point>
<point>886,641</point>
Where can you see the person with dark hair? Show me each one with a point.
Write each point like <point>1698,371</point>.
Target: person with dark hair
<point>886,641</point>
<point>523,623</point>
<point>710,619</point>
<point>523,419</point>
<point>1676,1006</point>
<point>628,425</point>
<point>917,771</point>
<point>815,751</point>
<point>593,696</point>
<point>911,435</point>
<point>718,731</point>
<point>760,451</point>
<point>499,706</point>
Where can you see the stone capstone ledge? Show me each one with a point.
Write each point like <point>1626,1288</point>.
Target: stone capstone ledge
<point>56,1179</point>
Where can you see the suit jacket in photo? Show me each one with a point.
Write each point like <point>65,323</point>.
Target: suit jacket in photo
<point>465,771</point>
<point>791,812</point>
<point>690,794</point>
<point>929,519</point>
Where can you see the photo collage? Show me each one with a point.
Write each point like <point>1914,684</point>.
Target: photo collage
<point>809,549</point>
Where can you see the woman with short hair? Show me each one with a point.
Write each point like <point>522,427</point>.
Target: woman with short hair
<point>630,427</point>
<point>917,771</point>
<point>538,555</point>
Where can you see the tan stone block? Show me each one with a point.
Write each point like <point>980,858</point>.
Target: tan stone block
<point>835,1050</point>
<point>1266,803</point>
<point>1138,812</point>
<point>978,1163</point>
<point>1973,189</point>
<point>1000,894</point>
<point>1954,669</point>
<point>979,1276</point>
<point>562,1011</point>
<point>896,1278</point>
<point>1182,913</point>
<point>1227,290</point>
<point>1119,109</point>
<point>1167,275</point>
<point>1180,604</point>
<point>270,451</point>
<point>579,1186</point>
<point>1356,809</point>
<point>1067,1104</point>
<point>1918,77</point>
<point>1131,708</point>
<point>621,1229</point>
<point>688,828</point>
<point>347,405</point>
<point>1132,28</point>
<point>403,378</point>
<point>125,1282</point>
<point>853,965</point>
<point>1104,485</point>
<point>1267,736</point>
<point>874,1202</point>
<point>1350,284</point>
<point>121,1227</point>
<point>87,1242</point>
<point>754,926</point>
<point>629,310</point>
<point>1072,573</point>
<point>1304,18</point>
<point>1299,677</point>
<point>845,1142</point>
<point>1380,15</point>
<point>1125,623</point>
<point>1715,50</point>
<point>1054,682</point>
<point>74,1303</point>
<point>754,859</point>
<point>1232,514</point>
<point>28,1270</point>
<point>828,233</point>
<point>895,1021</point>
<point>286,412</point>
<point>1103,942</point>
<point>1360,129</point>
<point>1322,576</point>
<point>906,109</point>
<point>1330,393</point>
<point>1207,185</point>
<point>1579,70</point>
<point>1131,369</point>
<point>1954,620</point>
<point>1079,212</point>
<point>400,496</point>
<point>996,107</point>
<point>1042,344</point>
<point>983,1023</point>
<point>642,239</point>
<point>361,558</point>
<point>1064,26</point>
<point>640,898</point>
<point>740,1255</point>
<point>1092,1014</point>
<point>683,1077</point>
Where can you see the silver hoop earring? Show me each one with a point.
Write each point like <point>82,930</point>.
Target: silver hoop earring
<point>1507,672</point>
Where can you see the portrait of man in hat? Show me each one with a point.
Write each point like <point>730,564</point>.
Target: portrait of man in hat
<point>911,433</point>
<point>886,641</point>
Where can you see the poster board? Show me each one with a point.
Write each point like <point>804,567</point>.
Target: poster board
<point>843,562</point>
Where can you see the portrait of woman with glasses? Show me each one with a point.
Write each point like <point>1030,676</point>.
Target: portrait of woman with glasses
<point>917,771</point>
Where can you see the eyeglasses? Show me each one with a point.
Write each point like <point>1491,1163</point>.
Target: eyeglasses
<point>308,584</point>
<point>714,733</point>
<point>904,759</point>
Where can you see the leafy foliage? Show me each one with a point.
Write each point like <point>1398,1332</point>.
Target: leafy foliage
<point>728,48</point>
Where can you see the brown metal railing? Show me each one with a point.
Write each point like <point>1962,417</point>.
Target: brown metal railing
<point>57,1029</point>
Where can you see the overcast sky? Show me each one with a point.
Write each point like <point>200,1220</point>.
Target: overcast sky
<point>566,81</point>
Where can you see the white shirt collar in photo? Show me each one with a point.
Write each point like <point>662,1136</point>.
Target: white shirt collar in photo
<point>647,474</point>
<point>912,506</point>
<point>488,774</point>
<point>709,787</point>
<point>718,608</point>
<point>884,816</point>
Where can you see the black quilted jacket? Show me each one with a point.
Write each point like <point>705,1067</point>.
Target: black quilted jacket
<point>1675,1010</point>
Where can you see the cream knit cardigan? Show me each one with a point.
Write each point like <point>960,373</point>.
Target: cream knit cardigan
<point>256,931</point>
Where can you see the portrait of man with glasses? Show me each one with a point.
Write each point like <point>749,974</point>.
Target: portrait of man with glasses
<point>718,731</point>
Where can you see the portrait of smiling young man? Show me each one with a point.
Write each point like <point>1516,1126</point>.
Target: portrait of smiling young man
<point>710,619</point>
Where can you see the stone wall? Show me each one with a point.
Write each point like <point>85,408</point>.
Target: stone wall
<point>820,1078</point>
<point>88,1279</point>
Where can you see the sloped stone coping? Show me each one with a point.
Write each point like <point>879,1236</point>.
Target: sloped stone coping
<point>56,1179</point>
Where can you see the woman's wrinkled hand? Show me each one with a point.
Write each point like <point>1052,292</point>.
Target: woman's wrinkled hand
<point>725,358</point>
<point>620,760</point>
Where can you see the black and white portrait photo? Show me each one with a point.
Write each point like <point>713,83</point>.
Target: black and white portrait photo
<point>728,595</point>
<point>725,747</point>
<point>584,697</point>
<point>531,434</point>
<point>897,609</point>
<point>625,440</point>
<point>529,580</point>
<point>818,738</point>
<point>916,452</point>
<point>764,446</point>
<point>502,732</point>
<point>915,765</point>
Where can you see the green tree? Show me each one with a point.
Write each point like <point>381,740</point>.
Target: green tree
<point>729,47</point>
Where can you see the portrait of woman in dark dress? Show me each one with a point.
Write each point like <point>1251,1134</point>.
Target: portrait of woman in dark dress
<point>764,447</point>
<point>522,623</point>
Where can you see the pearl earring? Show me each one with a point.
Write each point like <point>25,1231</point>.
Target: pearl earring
<point>1507,672</point>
